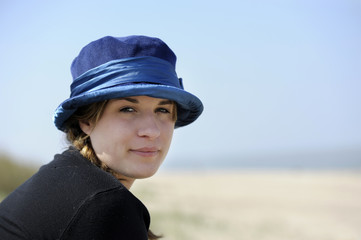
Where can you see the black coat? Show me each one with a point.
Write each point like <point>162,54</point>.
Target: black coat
<point>70,198</point>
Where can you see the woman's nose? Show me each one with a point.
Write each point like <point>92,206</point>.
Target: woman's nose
<point>148,127</point>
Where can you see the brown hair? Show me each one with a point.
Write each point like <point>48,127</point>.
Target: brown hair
<point>81,140</point>
<point>78,138</point>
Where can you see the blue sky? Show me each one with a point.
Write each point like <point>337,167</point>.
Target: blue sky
<point>274,76</point>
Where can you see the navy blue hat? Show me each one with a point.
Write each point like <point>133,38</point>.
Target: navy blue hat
<point>113,67</point>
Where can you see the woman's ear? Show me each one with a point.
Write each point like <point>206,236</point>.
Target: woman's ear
<point>86,127</point>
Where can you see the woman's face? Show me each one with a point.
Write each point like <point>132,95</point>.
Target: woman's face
<point>133,135</point>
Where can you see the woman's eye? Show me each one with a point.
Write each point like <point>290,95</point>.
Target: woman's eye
<point>127,109</point>
<point>163,110</point>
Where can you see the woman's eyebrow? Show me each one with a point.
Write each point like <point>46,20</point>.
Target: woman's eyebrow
<point>165,102</point>
<point>132,100</point>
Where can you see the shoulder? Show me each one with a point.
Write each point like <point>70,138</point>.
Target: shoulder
<point>111,214</point>
<point>50,198</point>
<point>73,170</point>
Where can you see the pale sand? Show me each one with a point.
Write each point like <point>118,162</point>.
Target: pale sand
<point>254,205</point>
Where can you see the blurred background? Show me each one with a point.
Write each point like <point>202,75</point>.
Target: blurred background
<point>280,82</point>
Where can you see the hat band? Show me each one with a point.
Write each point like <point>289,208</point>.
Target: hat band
<point>126,71</point>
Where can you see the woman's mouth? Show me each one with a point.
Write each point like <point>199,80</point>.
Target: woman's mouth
<point>146,151</point>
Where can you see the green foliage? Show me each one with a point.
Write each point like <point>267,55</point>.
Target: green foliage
<point>12,174</point>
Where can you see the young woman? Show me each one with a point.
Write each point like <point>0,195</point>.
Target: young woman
<point>125,102</point>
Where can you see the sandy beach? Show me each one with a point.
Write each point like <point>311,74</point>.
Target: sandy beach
<point>254,205</point>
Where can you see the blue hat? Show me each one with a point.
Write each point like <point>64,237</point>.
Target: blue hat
<point>113,67</point>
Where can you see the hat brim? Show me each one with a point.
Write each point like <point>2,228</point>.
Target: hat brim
<point>189,107</point>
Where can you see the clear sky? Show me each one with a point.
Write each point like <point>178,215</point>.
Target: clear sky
<point>274,76</point>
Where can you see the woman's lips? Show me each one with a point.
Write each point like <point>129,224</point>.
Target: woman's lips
<point>146,151</point>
